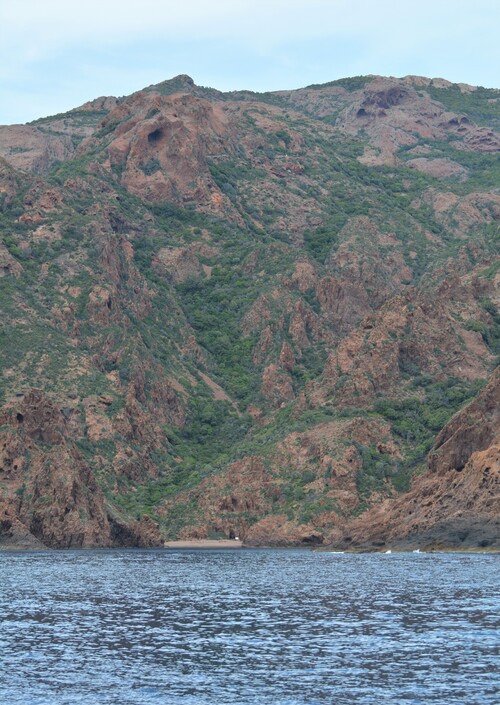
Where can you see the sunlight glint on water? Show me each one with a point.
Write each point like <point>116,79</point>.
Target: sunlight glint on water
<point>248,628</point>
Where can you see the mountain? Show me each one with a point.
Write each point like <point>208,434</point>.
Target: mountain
<point>252,314</point>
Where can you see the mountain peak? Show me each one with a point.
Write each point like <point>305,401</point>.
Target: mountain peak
<point>177,84</point>
<point>182,78</point>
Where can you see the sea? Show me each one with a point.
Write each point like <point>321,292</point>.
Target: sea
<point>248,627</point>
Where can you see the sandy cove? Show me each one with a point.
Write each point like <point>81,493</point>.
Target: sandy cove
<point>205,543</point>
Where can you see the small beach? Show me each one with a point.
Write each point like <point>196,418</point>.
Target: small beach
<point>205,543</point>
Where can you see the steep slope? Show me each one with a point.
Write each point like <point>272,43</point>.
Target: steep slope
<point>247,313</point>
<point>456,503</point>
<point>53,497</point>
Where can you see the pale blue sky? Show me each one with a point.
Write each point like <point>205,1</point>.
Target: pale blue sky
<point>57,54</point>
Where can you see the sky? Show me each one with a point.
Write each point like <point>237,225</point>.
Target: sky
<point>57,54</point>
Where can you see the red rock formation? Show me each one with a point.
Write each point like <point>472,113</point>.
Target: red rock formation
<point>28,148</point>
<point>277,531</point>
<point>52,498</point>
<point>160,145</point>
<point>456,503</point>
<point>352,284</point>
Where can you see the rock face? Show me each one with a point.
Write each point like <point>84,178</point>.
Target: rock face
<point>395,113</point>
<point>54,500</point>
<point>252,314</point>
<point>160,145</point>
<point>29,149</point>
<point>456,503</point>
<point>473,430</point>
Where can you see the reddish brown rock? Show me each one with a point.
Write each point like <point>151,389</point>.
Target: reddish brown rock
<point>248,498</point>
<point>440,168</point>
<point>393,113</point>
<point>278,531</point>
<point>348,293</point>
<point>28,148</point>
<point>472,430</point>
<point>179,264</point>
<point>456,503</point>
<point>414,330</point>
<point>8,264</point>
<point>50,496</point>
<point>287,358</point>
<point>276,385</point>
<point>160,143</point>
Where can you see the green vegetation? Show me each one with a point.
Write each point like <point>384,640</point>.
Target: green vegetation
<point>353,83</point>
<point>481,105</point>
<point>151,167</point>
<point>417,419</point>
<point>76,117</point>
<point>483,169</point>
<point>205,302</point>
<point>96,311</point>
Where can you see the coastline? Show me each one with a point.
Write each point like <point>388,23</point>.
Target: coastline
<point>232,544</point>
<point>204,543</point>
<point>408,549</point>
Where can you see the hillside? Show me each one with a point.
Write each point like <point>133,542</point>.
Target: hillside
<point>249,314</point>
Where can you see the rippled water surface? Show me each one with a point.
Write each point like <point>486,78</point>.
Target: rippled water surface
<point>248,627</point>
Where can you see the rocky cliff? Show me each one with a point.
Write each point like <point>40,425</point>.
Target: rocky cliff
<point>455,503</point>
<point>252,314</point>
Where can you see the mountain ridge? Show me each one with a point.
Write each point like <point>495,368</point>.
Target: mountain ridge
<point>247,315</point>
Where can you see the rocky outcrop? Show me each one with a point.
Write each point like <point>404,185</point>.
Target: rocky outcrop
<point>179,264</point>
<point>52,489</point>
<point>251,497</point>
<point>50,496</point>
<point>30,149</point>
<point>277,531</point>
<point>160,146</point>
<point>8,264</point>
<point>394,114</point>
<point>456,503</point>
<point>473,430</point>
<point>440,168</point>
<point>416,331</point>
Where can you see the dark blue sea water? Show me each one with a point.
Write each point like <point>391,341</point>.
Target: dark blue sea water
<point>248,628</point>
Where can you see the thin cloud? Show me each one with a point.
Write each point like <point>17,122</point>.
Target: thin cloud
<point>54,22</point>
<point>50,49</point>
